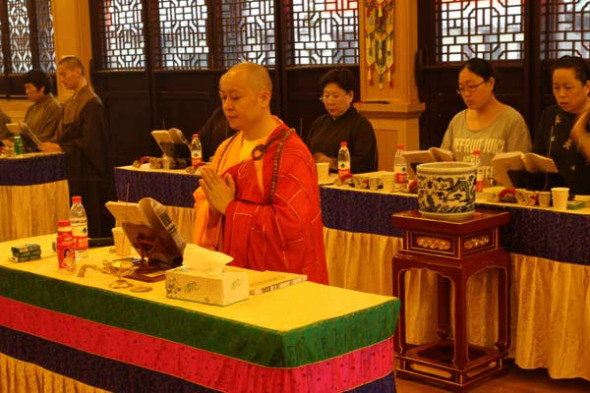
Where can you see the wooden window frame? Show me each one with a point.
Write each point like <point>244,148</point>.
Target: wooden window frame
<point>11,83</point>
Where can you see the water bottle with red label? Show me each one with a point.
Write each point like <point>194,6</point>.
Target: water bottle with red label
<point>196,151</point>
<point>344,170</point>
<point>79,223</point>
<point>400,169</point>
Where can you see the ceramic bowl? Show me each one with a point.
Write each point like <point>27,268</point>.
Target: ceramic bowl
<point>446,190</point>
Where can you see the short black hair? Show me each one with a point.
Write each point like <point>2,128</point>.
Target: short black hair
<point>481,67</point>
<point>575,63</point>
<point>39,79</point>
<point>341,76</point>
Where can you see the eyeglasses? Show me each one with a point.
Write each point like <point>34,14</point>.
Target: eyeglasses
<point>469,88</point>
<point>335,97</point>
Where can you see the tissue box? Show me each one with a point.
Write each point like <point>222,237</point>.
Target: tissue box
<point>220,289</point>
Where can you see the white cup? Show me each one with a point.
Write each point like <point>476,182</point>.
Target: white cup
<point>373,183</point>
<point>388,182</point>
<point>122,243</point>
<point>323,169</point>
<point>544,198</point>
<point>560,196</point>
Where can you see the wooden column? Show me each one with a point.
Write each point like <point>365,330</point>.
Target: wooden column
<point>395,116</point>
<point>71,26</point>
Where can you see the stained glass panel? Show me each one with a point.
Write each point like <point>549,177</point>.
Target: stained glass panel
<point>565,28</point>
<point>489,29</point>
<point>45,35</point>
<point>183,34</point>
<point>322,32</point>
<point>121,29</point>
<point>20,44</point>
<point>247,32</point>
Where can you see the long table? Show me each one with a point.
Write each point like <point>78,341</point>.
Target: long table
<point>61,331</point>
<point>34,194</point>
<point>550,283</point>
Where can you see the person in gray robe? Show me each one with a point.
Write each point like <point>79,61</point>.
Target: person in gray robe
<point>83,136</point>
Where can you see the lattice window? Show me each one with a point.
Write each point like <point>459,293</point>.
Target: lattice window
<point>1,54</point>
<point>121,29</point>
<point>183,34</point>
<point>20,44</point>
<point>322,32</point>
<point>490,29</point>
<point>565,28</point>
<point>45,36</point>
<point>248,32</point>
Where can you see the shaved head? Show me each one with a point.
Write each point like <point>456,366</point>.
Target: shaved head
<point>72,62</point>
<point>245,92</point>
<point>255,76</point>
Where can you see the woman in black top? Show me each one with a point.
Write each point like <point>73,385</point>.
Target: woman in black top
<point>342,123</point>
<point>555,136</point>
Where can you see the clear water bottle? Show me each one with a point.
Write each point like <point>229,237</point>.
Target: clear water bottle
<point>18,144</point>
<point>344,171</point>
<point>475,159</point>
<point>400,169</point>
<point>196,151</point>
<point>79,223</point>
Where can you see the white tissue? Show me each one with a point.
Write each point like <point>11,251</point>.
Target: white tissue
<point>204,261</point>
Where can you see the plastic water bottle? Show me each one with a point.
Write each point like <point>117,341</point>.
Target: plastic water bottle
<point>400,168</point>
<point>18,144</point>
<point>344,171</point>
<point>79,223</point>
<point>476,160</point>
<point>196,151</point>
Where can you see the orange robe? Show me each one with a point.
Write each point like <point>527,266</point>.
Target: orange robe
<point>274,222</point>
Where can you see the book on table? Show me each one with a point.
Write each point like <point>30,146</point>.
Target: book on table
<point>525,170</point>
<point>433,154</point>
<point>151,231</point>
<point>268,280</point>
<point>30,139</point>
<point>174,145</point>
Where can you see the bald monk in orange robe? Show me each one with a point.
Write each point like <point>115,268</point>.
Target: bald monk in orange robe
<point>259,200</point>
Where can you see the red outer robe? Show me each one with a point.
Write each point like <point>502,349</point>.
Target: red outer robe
<point>287,233</point>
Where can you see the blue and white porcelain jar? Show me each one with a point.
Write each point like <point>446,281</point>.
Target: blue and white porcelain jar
<point>446,190</point>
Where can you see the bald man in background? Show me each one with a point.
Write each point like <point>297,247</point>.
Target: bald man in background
<point>83,136</point>
<point>259,201</point>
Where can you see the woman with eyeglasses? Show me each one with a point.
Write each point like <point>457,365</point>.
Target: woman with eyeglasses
<point>487,124</point>
<point>563,132</point>
<point>342,123</point>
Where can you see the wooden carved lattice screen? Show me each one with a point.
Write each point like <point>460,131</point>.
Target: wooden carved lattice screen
<point>247,32</point>
<point>26,36</point>
<point>183,35</point>
<point>322,32</point>
<point>1,51</point>
<point>45,47</point>
<point>490,29</point>
<point>565,28</point>
<point>20,43</point>
<point>122,42</point>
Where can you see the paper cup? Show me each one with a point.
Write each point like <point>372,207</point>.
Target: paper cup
<point>374,183</point>
<point>323,169</point>
<point>544,198</point>
<point>560,196</point>
<point>388,182</point>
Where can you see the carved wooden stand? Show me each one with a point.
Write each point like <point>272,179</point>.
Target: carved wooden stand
<point>456,250</point>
